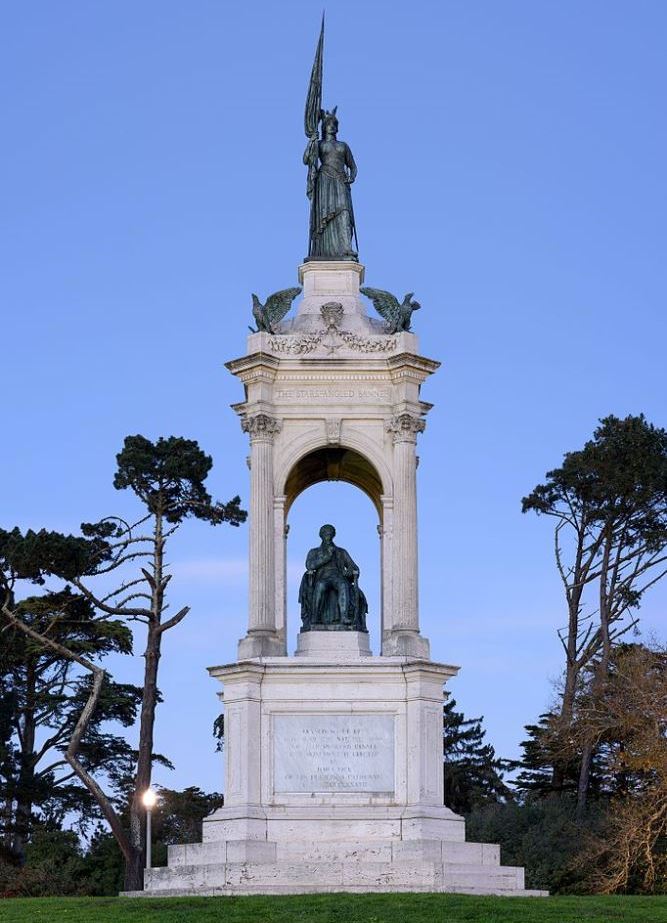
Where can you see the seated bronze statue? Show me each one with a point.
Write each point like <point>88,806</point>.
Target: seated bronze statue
<point>329,594</point>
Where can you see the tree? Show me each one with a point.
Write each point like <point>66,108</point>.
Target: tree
<point>167,477</point>
<point>473,773</point>
<point>44,694</point>
<point>178,815</point>
<point>542,758</point>
<point>625,720</point>
<point>609,501</point>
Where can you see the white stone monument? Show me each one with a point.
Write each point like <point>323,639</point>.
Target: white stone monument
<point>334,765</point>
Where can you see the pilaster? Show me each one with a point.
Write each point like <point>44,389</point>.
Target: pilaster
<point>263,637</point>
<point>402,635</point>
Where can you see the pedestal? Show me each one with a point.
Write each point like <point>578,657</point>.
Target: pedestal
<point>334,783</point>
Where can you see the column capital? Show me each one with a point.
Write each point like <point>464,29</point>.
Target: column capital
<point>404,427</point>
<point>261,427</point>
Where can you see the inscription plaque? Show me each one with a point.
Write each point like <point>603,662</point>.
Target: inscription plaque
<point>333,753</point>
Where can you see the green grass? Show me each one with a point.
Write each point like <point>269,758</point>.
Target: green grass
<point>338,908</point>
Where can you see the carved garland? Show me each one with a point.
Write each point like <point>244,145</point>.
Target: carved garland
<point>308,342</point>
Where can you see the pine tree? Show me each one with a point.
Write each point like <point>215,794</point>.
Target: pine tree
<point>42,695</point>
<point>473,772</point>
<point>544,760</point>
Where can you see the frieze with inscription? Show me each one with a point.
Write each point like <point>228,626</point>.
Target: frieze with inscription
<point>332,394</point>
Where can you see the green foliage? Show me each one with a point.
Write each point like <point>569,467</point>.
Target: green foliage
<point>540,835</point>
<point>103,866</point>
<point>36,554</point>
<point>473,773</point>
<point>542,751</point>
<point>42,697</point>
<point>178,816</point>
<point>620,474</point>
<point>168,477</point>
<point>346,908</point>
<point>53,866</point>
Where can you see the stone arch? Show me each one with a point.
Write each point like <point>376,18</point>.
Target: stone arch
<point>354,460</point>
<point>334,463</point>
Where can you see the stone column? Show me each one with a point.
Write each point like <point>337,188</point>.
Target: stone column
<point>403,636</point>
<point>280,530</point>
<point>262,639</point>
<point>386,590</point>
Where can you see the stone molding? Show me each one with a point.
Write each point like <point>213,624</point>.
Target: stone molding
<point>261,427</point>
<point>404,427</point>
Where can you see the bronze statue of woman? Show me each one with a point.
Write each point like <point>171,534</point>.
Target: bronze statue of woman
<point>331,215</point>
<point>331,172</point>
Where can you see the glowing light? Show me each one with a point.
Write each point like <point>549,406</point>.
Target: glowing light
<point>149,798</point>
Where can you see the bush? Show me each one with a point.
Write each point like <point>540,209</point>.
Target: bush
<point>53,866</point>
<point>540,835</point>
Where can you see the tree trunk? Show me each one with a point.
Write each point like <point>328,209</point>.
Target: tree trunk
<point>572,668</point>
<point>134,878</point>
<point>26,778</point>
<point>601,671</point>
<point>134,866</point>
<point>584,781</point>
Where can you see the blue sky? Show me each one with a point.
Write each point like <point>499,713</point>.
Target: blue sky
<point>511,172</point>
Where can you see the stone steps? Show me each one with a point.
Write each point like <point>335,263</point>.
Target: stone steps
<point>284,877</point>
<point>316,889</point>
<point>260,851</point>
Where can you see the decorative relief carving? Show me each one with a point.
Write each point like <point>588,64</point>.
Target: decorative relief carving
<point>261,427</point>
<point>369,344</point>
<point>333,426</point>
<point>332,338</point>
<point>332,312</point>
<point>295,345</point>
<point>404,427</point>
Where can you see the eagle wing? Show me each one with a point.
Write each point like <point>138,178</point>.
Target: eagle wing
<point>278,304</point>
<point>384,303</point>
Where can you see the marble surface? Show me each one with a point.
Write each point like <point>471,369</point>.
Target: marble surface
<point>333,753</point>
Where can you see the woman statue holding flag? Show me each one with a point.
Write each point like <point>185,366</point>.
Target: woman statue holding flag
<point>331,172</point>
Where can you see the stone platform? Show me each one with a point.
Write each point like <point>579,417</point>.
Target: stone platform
<point>252,867</point>
<point>334,782</point>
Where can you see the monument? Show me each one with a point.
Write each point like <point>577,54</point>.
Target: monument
<point>334,766</point>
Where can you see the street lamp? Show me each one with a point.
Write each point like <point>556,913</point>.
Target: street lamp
<point>149,799</point>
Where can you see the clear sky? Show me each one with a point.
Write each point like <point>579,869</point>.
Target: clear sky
<point>511,173</point>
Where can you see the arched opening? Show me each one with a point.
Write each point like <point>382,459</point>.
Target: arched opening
<point>334,463</point>
<point>324,486</point>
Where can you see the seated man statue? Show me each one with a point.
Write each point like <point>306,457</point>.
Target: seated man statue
<point>329,594</point>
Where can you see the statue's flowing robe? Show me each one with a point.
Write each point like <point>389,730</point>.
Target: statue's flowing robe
<point>331,214</point>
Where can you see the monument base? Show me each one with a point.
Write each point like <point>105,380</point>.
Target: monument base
<point>334,782</point>
<point>337,645</point>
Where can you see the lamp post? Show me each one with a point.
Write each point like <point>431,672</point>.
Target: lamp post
<point>149,799</point>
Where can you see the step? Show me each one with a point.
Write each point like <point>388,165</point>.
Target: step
<point>378,876</point>
<point>260,851</point>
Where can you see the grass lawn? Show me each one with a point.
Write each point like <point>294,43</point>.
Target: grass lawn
<point>338,908</point>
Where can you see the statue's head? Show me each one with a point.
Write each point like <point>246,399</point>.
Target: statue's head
<point>327,531</point>
<point>329,121</point>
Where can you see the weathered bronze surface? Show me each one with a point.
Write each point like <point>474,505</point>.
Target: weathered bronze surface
<point>397,316</point>
<point>276,307</point>
<point>331,172</point>
<point>330,597</point>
